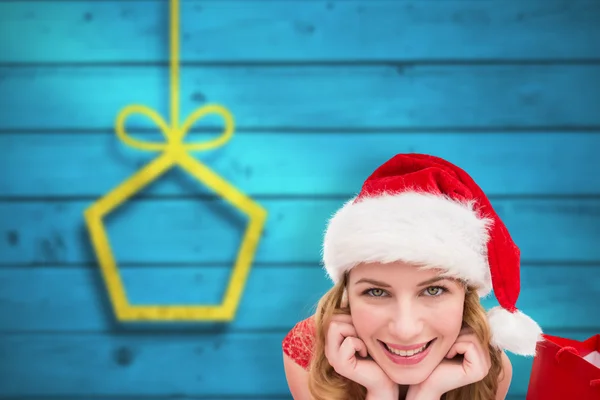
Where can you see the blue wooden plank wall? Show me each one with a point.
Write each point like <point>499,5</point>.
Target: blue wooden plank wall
<point>322,91</point>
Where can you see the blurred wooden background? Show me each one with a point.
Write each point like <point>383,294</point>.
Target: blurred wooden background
<point>322,92</point>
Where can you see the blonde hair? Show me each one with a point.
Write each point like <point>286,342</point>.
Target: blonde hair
<point>326,384</point>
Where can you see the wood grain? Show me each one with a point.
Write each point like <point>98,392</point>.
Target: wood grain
<point>36,299</point>
<point>300,31</point>
<point>196,230</point>
<point>184,397</point>
<point>304,163</point>
<point>131,364</point>
<point>322,92</point>
<point>280,98</point>
<point>249,396</point>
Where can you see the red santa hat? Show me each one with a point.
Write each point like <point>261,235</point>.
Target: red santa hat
<point>424,210</point>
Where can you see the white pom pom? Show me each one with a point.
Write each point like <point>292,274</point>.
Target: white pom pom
<point>515,332</point>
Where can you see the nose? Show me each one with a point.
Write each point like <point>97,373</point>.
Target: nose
<point>407,322</point>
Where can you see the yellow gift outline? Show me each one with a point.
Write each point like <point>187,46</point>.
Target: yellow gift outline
<point>174,152</point>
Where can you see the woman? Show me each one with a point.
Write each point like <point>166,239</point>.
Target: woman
<point>410,257</point>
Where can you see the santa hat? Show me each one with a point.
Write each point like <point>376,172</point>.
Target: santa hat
<point>424,210</point>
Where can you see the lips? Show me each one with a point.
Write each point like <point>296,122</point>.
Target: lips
<point>406,352</point>
<point>407,357</point>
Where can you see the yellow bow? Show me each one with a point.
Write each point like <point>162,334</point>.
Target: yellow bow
<point>174,135</point>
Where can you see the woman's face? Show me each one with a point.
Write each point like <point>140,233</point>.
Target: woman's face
<point>407,317</point>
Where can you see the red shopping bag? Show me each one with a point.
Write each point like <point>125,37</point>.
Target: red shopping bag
<point>565,369</point>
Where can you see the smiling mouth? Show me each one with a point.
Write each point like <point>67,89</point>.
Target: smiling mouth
<point>407,353</point>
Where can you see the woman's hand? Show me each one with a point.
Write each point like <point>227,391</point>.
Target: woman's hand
<point>472,365</point>
<point>341,347</point>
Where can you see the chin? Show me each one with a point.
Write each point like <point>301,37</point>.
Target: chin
<point>410,370</point>
<point>408,377</point>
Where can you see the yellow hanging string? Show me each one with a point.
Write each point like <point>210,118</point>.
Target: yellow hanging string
<point>174,151</point>
<point>174,135</point>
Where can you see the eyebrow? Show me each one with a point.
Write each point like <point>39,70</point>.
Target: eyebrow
<point>383,284</point>
<point>432,280</point>
<point>373,282</point>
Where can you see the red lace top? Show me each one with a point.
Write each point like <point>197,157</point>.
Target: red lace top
<point>298,343</point>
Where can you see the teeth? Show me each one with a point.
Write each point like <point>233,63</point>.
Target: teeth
<point>405,353</point>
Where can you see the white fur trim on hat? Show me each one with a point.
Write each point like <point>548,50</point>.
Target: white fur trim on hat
<point>415,227</point>
<point>514,331</point>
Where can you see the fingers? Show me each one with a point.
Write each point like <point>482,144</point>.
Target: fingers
<point>350,347</point>
<point>467,335</point>
<point>347,318</point>
<point>339,329</point>
<point>466,330</point>
<point>476,363</point>
<point>348,355</point>
<point>464,348</point>
<point>342,344</point>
